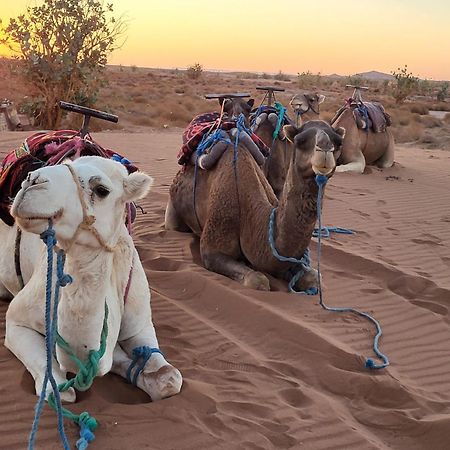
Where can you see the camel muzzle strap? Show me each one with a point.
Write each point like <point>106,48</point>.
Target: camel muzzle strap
<point>88,219</point>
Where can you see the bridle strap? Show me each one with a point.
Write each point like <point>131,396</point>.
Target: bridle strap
<point>88,220</point>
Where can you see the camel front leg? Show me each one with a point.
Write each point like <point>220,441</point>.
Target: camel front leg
<point>29,347</point>
<point>387,160</point>
<point>236,270</point>
<point>158,379</point>
<point>357,165</point>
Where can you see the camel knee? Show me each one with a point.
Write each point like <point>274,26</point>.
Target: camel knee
<point>172,221</point>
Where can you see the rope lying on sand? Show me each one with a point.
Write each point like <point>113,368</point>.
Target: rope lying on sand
<point>304,264</point>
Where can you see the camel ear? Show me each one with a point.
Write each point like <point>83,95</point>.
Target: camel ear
<point>290,132</point>
<point>340,131</point>
<point>251,102</point>
<point>320,98</point>
<point>136,186</point>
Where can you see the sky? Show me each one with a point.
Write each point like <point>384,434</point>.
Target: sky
<point>326,36</point>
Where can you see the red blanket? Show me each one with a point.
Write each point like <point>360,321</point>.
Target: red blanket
<point>38,150</point>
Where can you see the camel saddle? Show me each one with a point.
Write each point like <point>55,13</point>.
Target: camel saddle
<point>44,149</point>
<point>368,115</point>
<point>268,110</point>
<point>202,125</point>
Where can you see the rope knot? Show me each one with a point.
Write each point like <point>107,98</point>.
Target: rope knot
<point>48,236</point>
<point>87,425</point>
<point>142,353</point>
<point>321,180</point>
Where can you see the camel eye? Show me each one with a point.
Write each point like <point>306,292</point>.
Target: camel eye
<point>101,191</point>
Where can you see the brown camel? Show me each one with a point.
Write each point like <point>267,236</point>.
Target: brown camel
<point>234,203</point>
<point>305,107</point>
<point>361,147</point>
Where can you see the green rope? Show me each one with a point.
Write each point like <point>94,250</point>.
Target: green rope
<point>83,380</point>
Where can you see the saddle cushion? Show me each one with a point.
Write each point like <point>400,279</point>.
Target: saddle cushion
<point>200,126</point>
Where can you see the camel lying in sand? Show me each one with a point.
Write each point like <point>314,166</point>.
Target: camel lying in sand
<point>86,202</point>
<point>362,147</point>
<point>234,204</point>
<point>306,107</point>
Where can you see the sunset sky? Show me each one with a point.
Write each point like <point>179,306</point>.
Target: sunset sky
<point>326,36</point>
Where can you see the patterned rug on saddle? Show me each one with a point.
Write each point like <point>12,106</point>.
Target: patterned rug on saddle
<point>45,149</point>
<point>204,125</point>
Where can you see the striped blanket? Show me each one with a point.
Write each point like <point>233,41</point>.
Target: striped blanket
<point>39,150</point>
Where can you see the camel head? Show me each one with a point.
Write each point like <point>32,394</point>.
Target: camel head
<point>234,107</point>
<point>307,103</point>
<point>79,197</point>
<point>317,147</point>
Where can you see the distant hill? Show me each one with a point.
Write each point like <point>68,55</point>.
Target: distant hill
<point>375,75</point>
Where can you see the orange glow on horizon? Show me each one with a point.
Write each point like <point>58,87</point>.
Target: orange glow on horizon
<point>288,35</point>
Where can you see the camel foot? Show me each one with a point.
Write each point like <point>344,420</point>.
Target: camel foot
<point>256,280</point>
<point>163,383</point>
<point>308,281</point>
<point>68,396</point>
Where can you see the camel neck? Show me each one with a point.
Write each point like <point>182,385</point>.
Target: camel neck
<point>98,277</point>
<point>296,214</point>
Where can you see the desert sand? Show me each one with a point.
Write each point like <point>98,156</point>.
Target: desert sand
<point>272,370</point>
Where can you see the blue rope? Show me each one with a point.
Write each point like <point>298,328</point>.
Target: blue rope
<point>141,355</point>
<point>326,231</point>
<point>304,263</point>
<point>365,113</point>
<point>321,180</point>
<point>49,239</point>
<point>257,114</point>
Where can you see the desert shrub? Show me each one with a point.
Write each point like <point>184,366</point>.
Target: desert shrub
<point>411,133</point>
<point>195,71</point>
<point>406,84</point>
<point>355,80</point>
<point>419,108</point>
<point>305,79</point>
<point>424,87</point>
<point>428,138</point>
<point>443,92</point>
<point>63,46</point>
<point>401,117</point>
<point>430,122</point>
<point>280,76</point>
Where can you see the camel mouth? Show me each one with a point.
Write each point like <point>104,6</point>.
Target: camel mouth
<point>28,219</point>
<point>322,170</point>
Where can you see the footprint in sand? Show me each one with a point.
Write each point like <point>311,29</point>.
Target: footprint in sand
<point>361,213</point>
<point>381,202</point>
<point>429,240</point>
<point>385,215</point>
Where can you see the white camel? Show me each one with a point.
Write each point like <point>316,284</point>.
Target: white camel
<point>86,201</point>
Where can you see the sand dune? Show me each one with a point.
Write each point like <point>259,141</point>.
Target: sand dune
<point>271,370</point>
